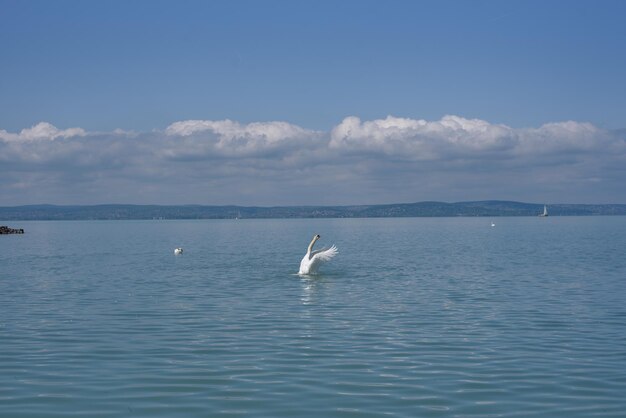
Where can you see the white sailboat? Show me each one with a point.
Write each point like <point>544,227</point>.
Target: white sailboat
<point>545,211</point>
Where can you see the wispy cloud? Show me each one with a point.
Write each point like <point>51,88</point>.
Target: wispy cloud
<point>454,136</point>
<point>41,131</point>
<point>266,163</point>
<point>225,137</point>
<point>420,139</point>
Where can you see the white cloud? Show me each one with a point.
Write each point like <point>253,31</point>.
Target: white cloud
<point>375,161</point>
<point>233,138</point>
<point>457,137</point>
<point>567,136</point>
<point>419,139</point>
<point>43,131</point>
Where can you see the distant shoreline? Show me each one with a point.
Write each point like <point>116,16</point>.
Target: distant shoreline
<point>493,208</point>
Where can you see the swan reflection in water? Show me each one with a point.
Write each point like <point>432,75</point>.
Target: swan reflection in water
<point>309,290</point>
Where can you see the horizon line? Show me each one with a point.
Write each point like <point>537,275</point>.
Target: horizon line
<point>304,205</point>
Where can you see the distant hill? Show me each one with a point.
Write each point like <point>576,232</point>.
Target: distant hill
<point>420,209</point>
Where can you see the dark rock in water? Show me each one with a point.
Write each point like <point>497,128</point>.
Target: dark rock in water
<point>6,230</point>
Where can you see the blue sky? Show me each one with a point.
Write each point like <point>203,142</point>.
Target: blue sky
<point>110,84</point>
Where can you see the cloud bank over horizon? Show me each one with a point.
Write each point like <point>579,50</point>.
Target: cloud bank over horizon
<point>279,163</point>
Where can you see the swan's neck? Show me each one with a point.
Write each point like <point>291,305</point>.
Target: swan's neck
<point>311,245</point>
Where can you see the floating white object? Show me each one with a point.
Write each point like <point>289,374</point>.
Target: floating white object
<point>178,251</point>
<point>312,259</point>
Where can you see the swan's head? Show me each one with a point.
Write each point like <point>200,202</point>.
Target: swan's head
<point>313,241</point>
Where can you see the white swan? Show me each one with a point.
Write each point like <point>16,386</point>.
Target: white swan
<point>313,259</point>
<point>178,251</point>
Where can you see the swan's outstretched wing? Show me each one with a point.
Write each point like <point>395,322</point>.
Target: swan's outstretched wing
<point>322,256</point>
<point>311,262</point>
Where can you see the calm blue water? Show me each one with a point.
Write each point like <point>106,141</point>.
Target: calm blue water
<point>414,318</point>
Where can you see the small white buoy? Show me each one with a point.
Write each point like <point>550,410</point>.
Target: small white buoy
<point>178,251</point>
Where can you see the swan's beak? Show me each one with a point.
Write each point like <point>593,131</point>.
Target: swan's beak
<point>318,236</point>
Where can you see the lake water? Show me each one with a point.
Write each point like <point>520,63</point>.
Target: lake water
<point>420,317</point>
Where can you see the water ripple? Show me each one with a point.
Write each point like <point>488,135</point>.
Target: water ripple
<point>433,318</point>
